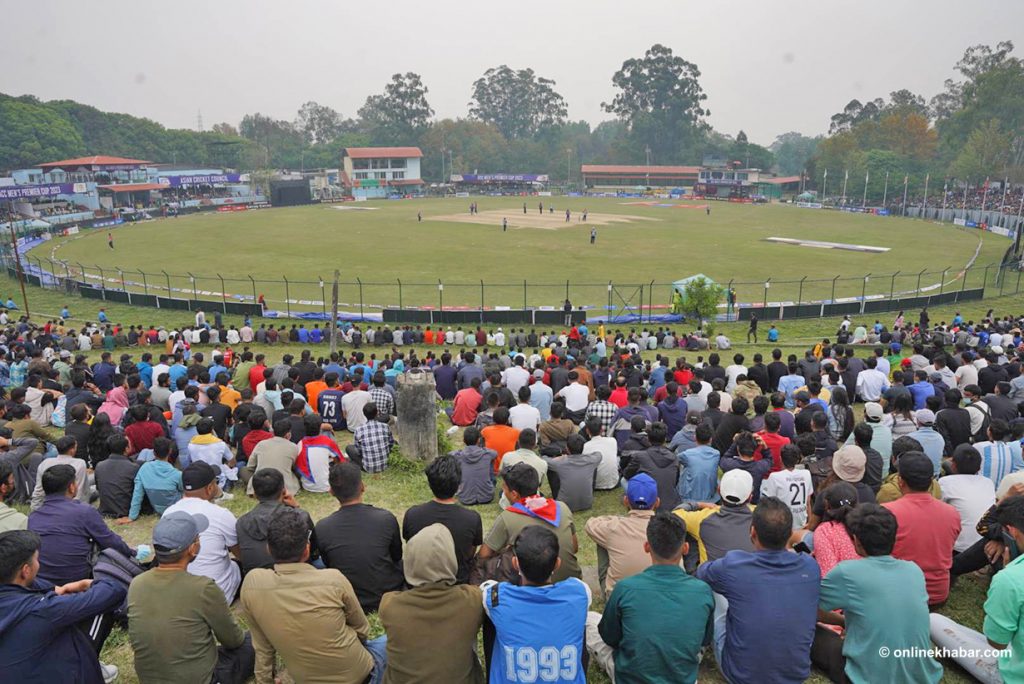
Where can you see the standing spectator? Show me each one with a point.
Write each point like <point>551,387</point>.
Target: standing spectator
<point>927,528</point>
<point>656,622</point>
<point>360,540</point>
<point>176,617</point>
<point>444,477</point>
<point>767,591</point>
<point>434,599</point>
<point>538,616</point>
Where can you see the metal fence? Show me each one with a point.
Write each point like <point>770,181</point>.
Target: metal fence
<point>789,297</point>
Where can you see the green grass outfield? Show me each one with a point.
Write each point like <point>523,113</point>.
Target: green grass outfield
<point>398,489</point>
<point>381,243</point>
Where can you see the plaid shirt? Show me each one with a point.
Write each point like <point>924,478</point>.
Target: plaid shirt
<point>605,410</point>
<point>384,401</point>
<point>374,441</point>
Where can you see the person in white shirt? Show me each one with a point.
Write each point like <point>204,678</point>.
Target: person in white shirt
<point>792,485</point>
<point>523,416</point>
<point>210,449</point>
<point>499,338</point>
<point>159,369</point>
<point>871,382</point>
<point>84,342</point>
<point>233,337</point>
<point>883,363</point>
<point>969,492</point>
<point>219,542</point>
<point>515,377</point>
<point>734,371</point>
<point>449,336</point>
<point>939,366</point>
<point>352,408</point>
<point>460,336</point>
<point>576,395</point>
<point>965,374</point>
<point>607,476</point>
<point>722,342</point>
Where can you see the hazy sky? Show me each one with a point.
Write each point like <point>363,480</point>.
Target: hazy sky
<point>767,67</point>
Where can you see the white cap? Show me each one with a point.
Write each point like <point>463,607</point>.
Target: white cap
<point>925,417</point>
<point>997,349</point>
<point>736,486</point>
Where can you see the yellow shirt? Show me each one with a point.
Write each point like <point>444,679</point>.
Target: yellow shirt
<point>229,397</point>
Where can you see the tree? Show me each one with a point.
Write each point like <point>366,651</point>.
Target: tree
<point>701,298</point>
<point>986,153</point>
<point>401,113</point>
<point>32,133</point>
<point>519,103</point>
<point>225,129</point>
<point>661,100</point>
<point>318,123</point>
<point>792,151</point>
<point>282,144</point>
<point>903,102</point>
<point>977,60</point>
<point>854,113</point>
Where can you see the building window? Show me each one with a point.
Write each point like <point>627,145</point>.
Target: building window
<point>378,163</point>
<point>361,175</point>
<point>397,175</point>
<point>741,176</point>
<point>398,163</point>
<point>360,163</point>
<point>380,175</point>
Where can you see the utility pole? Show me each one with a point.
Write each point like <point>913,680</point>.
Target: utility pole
<point>334,312</point>
<point>21,272</point>
<point>647,149</point>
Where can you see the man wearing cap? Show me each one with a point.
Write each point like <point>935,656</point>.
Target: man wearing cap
<point>220,540</point>
<point>767,590</point>
<point>881,439</point>
<point>720,529</point>
<point>63,367</point>
<point>931,441</point>
<point>927,528</point>
<point>618,537</point>
<point>177,617</point>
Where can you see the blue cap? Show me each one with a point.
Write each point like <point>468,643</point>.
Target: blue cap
<point>642,491</point>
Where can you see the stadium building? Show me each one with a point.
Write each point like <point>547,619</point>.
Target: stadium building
<point>377,172</point>
<point>618,177</point>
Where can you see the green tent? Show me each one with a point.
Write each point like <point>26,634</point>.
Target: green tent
<point>680,285</point>
<point>807,196</point>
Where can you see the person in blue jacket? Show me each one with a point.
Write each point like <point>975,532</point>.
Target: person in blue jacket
<point>41,637</point>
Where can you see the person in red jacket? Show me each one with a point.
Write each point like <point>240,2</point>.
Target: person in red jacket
<point>773,441</point>
<point>466,405</point>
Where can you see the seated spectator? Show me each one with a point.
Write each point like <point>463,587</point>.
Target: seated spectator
<point>207,447</point>
<point>741,456</point>
<point>476,463</point>
<point>1003,608</point>
<point>699,478</point>
<point>69,530</point>
<point>997,459</point>
<point>444,475</point>
<point>554,431</point>
<point>597,442</point>
<point>176,617</point>
<point>41,637</point>
<point>431,567</point>
<point>143,429</point>
<point>185,429</point>
<point>525,453</point>
<point>969,492</point>
<point>618,536</point>
<point>884,604</point>
<point>10,519</point>
<point>572,475</point>
<point>927,528</point>
<point>542,615</point>
<point>360,540</point>
<point>523,416</point>
<point>219,539</point>
<point>23,427</point>
<point>251,528</point>
<point>720,529</point>
<point>832,541</point>
<point>527,508</point>
<point>765,591</point>
<point>115,479</point>
<point>157,483</point>
<point>656,622</point>
<point>67,454</point>
<point>257,424</point>
<point>660,463</point>
<point>324,633</point>
<point>890,490</point>
<point>279,453</point>
<point>466,405</point>
<point>372,443</point>
<point>500,437</point>
<point>930,440</point>
<point>792,485</point>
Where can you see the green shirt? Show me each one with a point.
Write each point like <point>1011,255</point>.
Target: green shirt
<point>1004,617</point>
<point>886,604</point>
<point>657,622</point>
<point>174,623</point>
<point>508,525</point>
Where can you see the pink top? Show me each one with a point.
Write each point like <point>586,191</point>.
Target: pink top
<point>832,545</point>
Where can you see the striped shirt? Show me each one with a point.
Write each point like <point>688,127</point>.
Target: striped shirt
<point>998,461</point>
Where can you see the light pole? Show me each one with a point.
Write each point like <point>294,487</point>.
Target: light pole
<point>568,166</point>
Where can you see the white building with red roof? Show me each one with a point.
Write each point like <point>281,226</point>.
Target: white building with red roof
<point>381,171</point>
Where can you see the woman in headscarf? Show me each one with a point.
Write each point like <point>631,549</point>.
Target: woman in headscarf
<point>450,613</point>
<point>115,405</point>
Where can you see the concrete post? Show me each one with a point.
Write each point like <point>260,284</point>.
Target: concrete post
<point>416,406</point>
